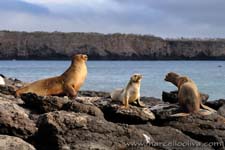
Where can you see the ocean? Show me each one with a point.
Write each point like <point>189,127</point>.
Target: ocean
<point>108,75</point>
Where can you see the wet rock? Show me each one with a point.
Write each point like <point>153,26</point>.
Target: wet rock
<point>14,143</point>
<point>14,120</point>
<point>171,138</point>
<point>43,104</point>
<point>172,97</point>
<point>69,130</point>
<point>83,108</point>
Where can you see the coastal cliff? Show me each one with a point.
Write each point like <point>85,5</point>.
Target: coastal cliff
<point>58,45</point>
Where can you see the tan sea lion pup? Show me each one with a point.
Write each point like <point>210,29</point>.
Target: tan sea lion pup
<point>130,93</point>
<point>66,84</point>
<point>188,95</point>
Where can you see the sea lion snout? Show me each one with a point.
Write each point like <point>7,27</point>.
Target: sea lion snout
<point>85,57</point>
<point>136,77</point>
<point>171,75</point>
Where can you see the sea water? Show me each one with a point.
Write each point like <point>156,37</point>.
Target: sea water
<point>108,75</point>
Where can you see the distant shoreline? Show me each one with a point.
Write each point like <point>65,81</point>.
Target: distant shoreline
<point>61,46</point>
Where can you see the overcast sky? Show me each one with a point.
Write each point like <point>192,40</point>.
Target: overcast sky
<point>165,18</point>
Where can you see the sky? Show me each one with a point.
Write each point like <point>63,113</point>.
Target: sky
<point>164,18</point>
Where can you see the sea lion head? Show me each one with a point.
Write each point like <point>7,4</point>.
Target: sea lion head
<point>136,77</point>
<point>172,77</point>
<point>80,57</point>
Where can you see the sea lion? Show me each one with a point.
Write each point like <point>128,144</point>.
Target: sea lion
<point>131,93</point>
<point>189,97</point>
<point>66,84</point>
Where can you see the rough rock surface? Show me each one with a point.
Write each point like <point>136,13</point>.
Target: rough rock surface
<point>69,130</point>
<point>83,108</point>
<point>14,143</point>
<point>172,97</point>
<point>93,121</point>
<point>43,104</point>
<point>14,120</point>
<point>57,45</point>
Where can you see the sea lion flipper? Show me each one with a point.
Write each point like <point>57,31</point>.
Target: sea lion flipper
<point>180,115</point>
<point>141,104</point>
<point>70,91</point>
<point>207,108</point>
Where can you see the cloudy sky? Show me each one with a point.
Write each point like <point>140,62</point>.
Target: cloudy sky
<point>165,18</point>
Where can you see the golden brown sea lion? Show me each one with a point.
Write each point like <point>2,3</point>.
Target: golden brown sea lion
<point>66,84</point>
<point>129,94</point>
<point>189,97</point>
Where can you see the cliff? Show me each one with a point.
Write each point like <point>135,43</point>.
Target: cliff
<point>58,45</point>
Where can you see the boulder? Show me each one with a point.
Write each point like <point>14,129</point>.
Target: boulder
<point>69,130</point>
<point>83,108</point>
<point>14,143</point>
<point>133,115</point>
<point>206,129</point>
<point>14,120</point>
<point>171,138</point>
<point>94,94</point>
<point>7,89</point>
<point>216,104</point>
<point>10,98</point>
<point>172,97</point>
<point>43,104</point>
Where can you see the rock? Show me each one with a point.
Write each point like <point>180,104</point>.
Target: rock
<point>83,108</point>
<point>94,94</point>
<point>132,115</point>
<point>221,110</point>
<point>14,143</point>
<point>69,130</point>
<point>9,90</point>
<point>2,81</point>
<point>151,101</point>
<point>43,104</point>
<point>172,97</point>
<point>163,111</point>
<point>170,138</point>
<point>206,129</point>
<point>216,104</point>
<point>10,98</point>
<point>14,120</point>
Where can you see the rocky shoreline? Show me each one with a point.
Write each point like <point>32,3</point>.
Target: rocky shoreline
<point>92,121</point>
